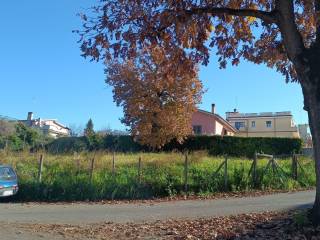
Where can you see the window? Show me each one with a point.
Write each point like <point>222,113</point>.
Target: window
<point>253,124</point>
<point>197,130</point>
<point>7,174</point>
<point>239,125</point>
<point>268,124</point>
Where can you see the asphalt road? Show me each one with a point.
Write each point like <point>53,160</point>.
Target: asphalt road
<point>123,213</point>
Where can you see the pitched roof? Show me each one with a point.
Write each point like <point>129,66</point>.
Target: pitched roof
<point>220,119</point>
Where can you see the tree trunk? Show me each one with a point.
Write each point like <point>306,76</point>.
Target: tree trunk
<point>311,92</point>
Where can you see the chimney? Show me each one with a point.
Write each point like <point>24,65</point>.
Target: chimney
<point>30,116</point>
<point>235,110</point>
<point>213,108</point>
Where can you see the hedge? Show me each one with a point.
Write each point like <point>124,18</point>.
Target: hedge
<point>216,145</point>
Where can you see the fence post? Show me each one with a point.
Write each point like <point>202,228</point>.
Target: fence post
<point>226,173</point>
<point>7,148</point>
<point>186,174</point>
<point>91,169</point>
<point>78,165</point>
<point>273,165</point>
<point>139,170</point>
<point>294,167</point>
<point>40,168</point>
<point>113,165</point>
<point>77,162</point>
<point>254,170</point>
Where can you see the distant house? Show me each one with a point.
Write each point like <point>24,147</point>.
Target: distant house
<point>267,124</point>
<point>48,126</point>
<point>210,124</point>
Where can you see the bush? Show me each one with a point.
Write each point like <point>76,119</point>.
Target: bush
<point>237,146</point>
<point>16,137</point>
<point>68,144</point>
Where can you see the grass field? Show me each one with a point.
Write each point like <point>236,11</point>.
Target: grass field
<point>68,177</point>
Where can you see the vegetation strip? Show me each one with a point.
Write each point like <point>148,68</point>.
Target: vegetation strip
<point>102,176</point>
<point>216,145</point>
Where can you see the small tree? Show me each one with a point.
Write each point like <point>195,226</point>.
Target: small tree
<point>89,131</point>
<point>27,135</point>
<point>94,140</point>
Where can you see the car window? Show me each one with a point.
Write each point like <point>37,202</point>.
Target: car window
<point>6,173</point>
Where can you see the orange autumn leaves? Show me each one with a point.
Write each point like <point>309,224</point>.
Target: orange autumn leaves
<point>158,93</point>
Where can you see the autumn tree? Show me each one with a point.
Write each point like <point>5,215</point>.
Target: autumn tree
<point>158,97</point>
<point>282,34</point>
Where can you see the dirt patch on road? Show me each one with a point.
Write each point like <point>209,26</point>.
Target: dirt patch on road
<point>268,225</point>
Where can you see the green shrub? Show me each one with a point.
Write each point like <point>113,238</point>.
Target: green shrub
<point>67,145</point>
<point>19,137</point>
<point>240,146</point>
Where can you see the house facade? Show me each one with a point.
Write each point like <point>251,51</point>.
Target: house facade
<point>210,124</point>
<point>48,126</point>
<point>268,124</point>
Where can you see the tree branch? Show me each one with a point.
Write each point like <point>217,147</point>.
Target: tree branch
<point>267,17</point>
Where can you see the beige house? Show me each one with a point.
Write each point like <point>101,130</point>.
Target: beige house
<point>268,124</point>
<point>48,126</point>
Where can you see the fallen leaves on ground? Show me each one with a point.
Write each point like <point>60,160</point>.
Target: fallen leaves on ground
<point>268,225</point>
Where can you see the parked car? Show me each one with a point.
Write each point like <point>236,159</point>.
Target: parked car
<point>8,181</point>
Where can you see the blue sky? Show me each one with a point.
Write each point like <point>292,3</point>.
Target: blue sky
<point>41,70</point>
